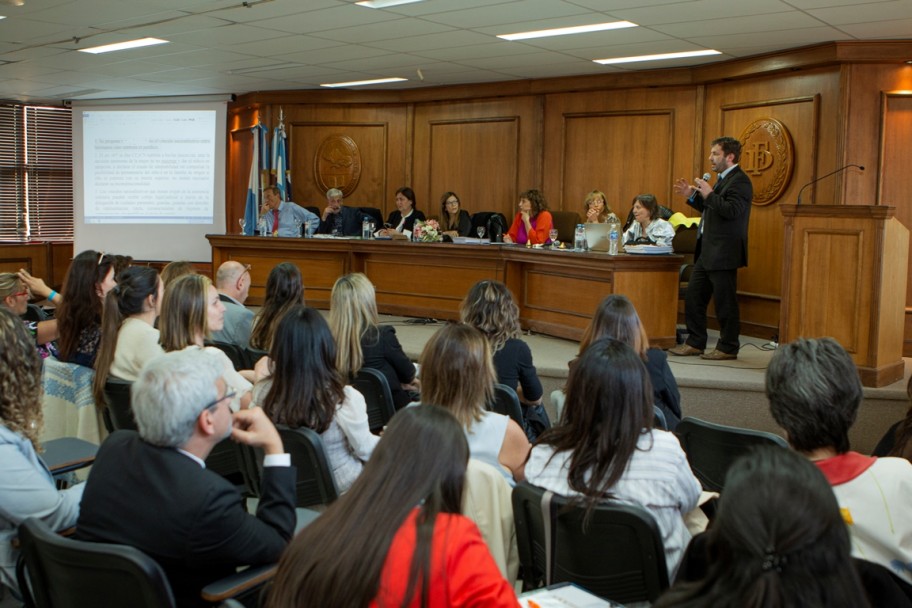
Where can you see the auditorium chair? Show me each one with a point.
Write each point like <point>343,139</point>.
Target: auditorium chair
<point>315,486</point>
<point>118,414</point>
<point>372,384</point>
<point>711,448</point>
<point>615,551</point>
<point>566,222</point>
<point>506,402</point>
<point>59,572</point>
<point>234,352</point>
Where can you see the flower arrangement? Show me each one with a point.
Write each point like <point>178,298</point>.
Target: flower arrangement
<point>427,232</point>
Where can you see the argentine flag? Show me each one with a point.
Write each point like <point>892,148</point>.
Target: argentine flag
<point>252,209</point>
<point>280,162</point>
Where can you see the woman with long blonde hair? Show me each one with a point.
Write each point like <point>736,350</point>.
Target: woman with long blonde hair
<point>14,295</point>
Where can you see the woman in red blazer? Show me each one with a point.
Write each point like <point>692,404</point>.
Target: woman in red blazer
<point>533,222</point>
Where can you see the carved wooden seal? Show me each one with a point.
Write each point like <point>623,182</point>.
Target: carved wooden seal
<point>337,164</point>
<point>768,157</point>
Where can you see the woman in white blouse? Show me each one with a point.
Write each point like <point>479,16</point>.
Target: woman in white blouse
<point>647,223</point>
<point>303,388</point>
<point>605,446</point>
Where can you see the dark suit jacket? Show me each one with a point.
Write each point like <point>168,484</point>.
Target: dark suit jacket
<point>351,222</point>
<point>395,217</point>
<point>190,520</point>
<point>726,211</point>
<point>381,351</point>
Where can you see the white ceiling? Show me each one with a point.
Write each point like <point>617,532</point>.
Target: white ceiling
<point>223,46</point>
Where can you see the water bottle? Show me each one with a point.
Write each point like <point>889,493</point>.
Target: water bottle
<point>579,238</point>
<point>614,235</point>
<point>365,229</point>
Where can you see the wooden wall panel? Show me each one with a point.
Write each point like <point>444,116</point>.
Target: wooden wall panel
<point>486,151</point>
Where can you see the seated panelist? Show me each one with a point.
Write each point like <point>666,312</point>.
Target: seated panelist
<point>533,222</point>
<point>280,215</point>
<point>596,208</point>
<point>337,219</point>
<point>403,219</point>
<point>454,220</point>
<point>647,223</point>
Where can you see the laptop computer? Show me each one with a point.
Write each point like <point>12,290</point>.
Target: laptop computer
<point>597,237</point>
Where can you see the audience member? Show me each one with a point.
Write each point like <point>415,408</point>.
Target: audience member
<point>396,538</point>
<point>362,342</point>
<point>616,318</point>
<point>14,294</point>
<point>190,310</point>
<point>121,263</point>
<point>39,288</point>
<point>304,388</point>
<point>454,220</point>
<point>533,222</point>
<point>777,540</point>
<point>284,218</point>
<point>898,439</point>
<point>458,374</point>
<point>490,308</point>
<point>284,290</point>
<point>605,445</point>
<point>129,339</point>
<point>88,280</point>
<point>814,394</point>
<point>648,228</point>
<point>403,219</point>
<point>151,489</point>
<point>232,280</point>
<point>596,208</point>
<point>338,219</point>
<point>26,486</point>
<point>175,270</point>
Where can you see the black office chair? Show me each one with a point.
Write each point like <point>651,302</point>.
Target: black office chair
<point>506,402</point>
<point>118,413</point>
<point>615,553</point>
<point>373,214</point>
<point>315,485</point>
<point>494,223</point>
<point>380,406</point>
<point>711,448</point>
<point>565,222</point>
<point>234,352</point>
<point>59,572</point>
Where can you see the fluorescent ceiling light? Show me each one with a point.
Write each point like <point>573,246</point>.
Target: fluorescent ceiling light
<point>385,3</point>
<point>361,83</point>
<point>563,31</point>
<point>122,46</point>
<point>614,60</point>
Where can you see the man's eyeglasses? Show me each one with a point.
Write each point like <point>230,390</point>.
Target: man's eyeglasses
<point>214,404</point>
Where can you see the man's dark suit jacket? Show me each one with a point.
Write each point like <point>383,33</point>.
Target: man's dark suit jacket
<point>726,211</point>
<point>190,520</point>
<point>351,222</point>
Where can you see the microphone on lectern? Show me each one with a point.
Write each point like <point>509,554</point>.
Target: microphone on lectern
<point>839,170</point>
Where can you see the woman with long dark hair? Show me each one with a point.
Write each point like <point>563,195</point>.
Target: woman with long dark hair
<point>617,318</point>
<point>605,447</point>
<point>305,389</point>
<point>457,373</point>
<point>778,539</point>
<point>454,220</point>
<point>284,290</point>
<point>396,538</point>
<point>88,280</point>
<point>129,339</point>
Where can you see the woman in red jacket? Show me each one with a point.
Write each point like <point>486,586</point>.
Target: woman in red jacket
<point>396,538</point>
<point>533,222</point>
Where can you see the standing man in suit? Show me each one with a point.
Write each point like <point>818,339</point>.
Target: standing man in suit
<point>151,489</point>
<point>338,219</point>
<point>233,283</point>
<point>721,250</point>
<point>280,215</point>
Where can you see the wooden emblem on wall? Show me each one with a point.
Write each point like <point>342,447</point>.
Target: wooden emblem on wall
<point>337,164</point>
<point>768,157</point>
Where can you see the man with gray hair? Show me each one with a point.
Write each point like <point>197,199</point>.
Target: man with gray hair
<point>337,219</point>
<point>233,283</point>
<point>814,394</point>
<point>151,489</point>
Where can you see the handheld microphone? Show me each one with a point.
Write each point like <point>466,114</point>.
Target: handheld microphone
<point>706,176</point>
<point>839,170</point>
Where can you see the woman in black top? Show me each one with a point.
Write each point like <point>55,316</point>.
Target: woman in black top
<point>403,219</point>
<point>454,220</point>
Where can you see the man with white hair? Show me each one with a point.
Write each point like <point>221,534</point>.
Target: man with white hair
<point>232,280</point>
<point>151,489</point>
<point>338,219</point>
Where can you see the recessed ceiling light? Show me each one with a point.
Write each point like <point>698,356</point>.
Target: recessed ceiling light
<point>636,58</point>
<point>564,31</point>
<point>122,46</point>
<point>361,83</point>
<point>385,3</point>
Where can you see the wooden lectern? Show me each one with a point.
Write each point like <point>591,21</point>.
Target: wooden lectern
<point>844,276</point>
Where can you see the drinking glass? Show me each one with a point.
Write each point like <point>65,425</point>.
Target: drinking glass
<point>297,223</point>
<point>481,232</point>
<point>243,223</point>
<point>553,235</point>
